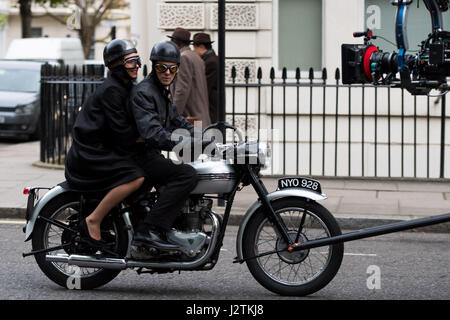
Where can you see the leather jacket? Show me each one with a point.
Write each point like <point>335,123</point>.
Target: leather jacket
<point>156,115</point>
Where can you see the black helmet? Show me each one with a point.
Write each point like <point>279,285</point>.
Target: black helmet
<point>165,51</point>
<point>116,49</point>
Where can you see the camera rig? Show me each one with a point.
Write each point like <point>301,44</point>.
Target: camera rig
<point>420,73</point>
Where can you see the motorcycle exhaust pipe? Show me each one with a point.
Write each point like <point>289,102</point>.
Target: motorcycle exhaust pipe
<point>89,261</point>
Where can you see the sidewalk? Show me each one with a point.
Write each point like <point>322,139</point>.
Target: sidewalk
<point>356,203</point>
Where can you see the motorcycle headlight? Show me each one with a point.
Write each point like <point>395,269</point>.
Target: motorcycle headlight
<point>25,109</point>
<point>264,153</point>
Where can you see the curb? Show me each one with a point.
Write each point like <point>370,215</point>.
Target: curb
<point>45,165</point>
<point>12,213</point>
<point>352,223</point>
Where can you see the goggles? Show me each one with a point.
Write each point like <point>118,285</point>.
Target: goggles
<point>162,68</point>
<point>132,63</point>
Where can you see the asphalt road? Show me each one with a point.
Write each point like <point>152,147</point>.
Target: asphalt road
<point>409,265</point>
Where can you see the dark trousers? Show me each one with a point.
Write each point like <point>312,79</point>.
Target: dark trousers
<point>178,181</point>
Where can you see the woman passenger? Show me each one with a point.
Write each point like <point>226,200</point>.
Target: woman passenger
<point>105,139</point>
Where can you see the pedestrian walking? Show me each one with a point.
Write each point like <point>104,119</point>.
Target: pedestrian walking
<point>190,92</point>
<point>203,47</point>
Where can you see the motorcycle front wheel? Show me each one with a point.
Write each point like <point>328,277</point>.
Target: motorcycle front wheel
<point>298,273</point>
<point>65,210</point>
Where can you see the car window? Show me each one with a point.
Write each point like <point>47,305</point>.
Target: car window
<point>22,80</point>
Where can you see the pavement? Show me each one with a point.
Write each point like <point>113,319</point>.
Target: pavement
<point>356,203</point>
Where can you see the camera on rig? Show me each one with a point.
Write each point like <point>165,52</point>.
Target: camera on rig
<point>365,63</point>
<point>418,73</point>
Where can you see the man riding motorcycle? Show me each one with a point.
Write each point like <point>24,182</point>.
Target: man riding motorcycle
<point>156,118</point>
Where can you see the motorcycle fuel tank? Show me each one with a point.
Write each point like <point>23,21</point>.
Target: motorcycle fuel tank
<point>215,176</point>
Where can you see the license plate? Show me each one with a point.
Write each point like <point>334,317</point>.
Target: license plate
<point>298,182</point>
<point>2,120</point>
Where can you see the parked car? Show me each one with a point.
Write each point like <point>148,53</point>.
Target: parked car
<point>20,99</point>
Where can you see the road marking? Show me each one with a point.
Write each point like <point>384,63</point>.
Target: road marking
<point>360,254</point>
<point>12,221</point>
<point>356,254</point>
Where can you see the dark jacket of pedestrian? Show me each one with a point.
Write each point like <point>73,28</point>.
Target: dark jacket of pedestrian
<point>211,69</point>
<point>104,140</point>
<point>190,92</point>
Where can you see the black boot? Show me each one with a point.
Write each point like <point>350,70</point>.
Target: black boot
<point>148,235</point>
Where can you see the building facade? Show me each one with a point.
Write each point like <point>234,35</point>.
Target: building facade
<point>260,33</point>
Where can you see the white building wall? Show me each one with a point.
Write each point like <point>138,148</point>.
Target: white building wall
<point>4,10</point>
<point>340,20</point>
<point>50,28</point>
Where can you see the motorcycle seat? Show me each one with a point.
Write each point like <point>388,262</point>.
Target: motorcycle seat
<point>146,187</point>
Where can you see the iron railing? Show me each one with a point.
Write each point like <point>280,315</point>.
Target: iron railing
<point>326,128</point>
<point>321,127</point>
<point>63,92</point>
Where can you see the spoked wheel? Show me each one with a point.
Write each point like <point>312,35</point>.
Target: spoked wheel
<point>63,211</point>
<point>296,273</point>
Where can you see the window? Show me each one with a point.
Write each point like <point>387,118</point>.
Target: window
<point>300,34</point>
<point>36,32</point>
<point>380,17</point>
<point>19,80</point>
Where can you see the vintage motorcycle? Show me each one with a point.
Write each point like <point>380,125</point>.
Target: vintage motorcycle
<point>267,238</point>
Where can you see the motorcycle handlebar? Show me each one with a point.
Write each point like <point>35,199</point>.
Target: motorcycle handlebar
<point>224,125</point>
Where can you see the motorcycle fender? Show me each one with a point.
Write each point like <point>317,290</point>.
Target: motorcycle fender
<point>285,193</point>
<point>51,194</point>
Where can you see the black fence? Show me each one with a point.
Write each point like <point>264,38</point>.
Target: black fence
<point>326,128</point>
<point>63,92</point>
<point>318,126</point>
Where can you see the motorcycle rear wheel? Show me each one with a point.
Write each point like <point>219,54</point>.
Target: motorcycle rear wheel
<point>298,273</point>
<point>65,209</point>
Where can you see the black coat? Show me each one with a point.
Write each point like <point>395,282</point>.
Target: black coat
<point>156,115</point>
<point>104,140</point>
<point>211,70</point>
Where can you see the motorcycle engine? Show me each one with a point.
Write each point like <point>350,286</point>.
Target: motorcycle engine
<point>193,215</point>
<point>188,230</point>
<point>191,218</point>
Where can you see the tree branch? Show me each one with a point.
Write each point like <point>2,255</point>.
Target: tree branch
<point>107,4</point>
<point>57,18</point>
